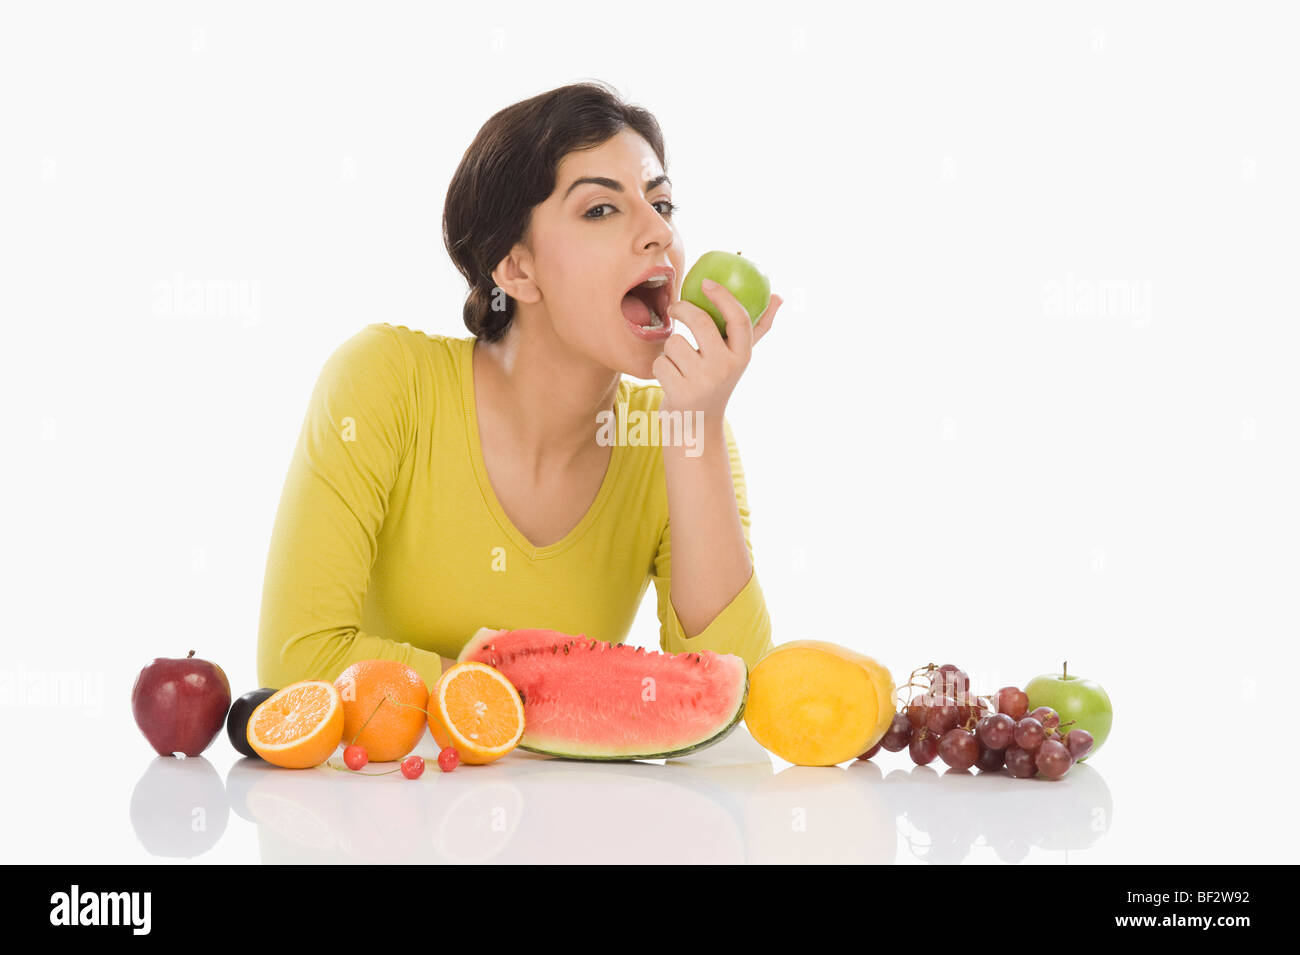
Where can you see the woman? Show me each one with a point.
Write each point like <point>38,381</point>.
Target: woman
<point>441,484</point>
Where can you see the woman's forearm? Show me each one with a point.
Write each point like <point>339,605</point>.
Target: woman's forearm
<point>710,561</point>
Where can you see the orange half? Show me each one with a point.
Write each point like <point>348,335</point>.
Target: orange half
<point>299,726</point>
<point>474,708</point>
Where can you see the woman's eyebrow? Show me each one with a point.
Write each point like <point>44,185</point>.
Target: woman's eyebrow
<point>614,183</point>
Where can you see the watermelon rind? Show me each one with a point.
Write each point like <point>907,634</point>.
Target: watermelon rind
<point>481,636</point>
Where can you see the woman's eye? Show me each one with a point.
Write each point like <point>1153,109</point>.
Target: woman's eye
<point>666,213</point>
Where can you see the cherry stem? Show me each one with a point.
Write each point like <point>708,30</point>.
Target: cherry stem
<point>357,772</point>
<point>422,709</point>
<point>367,722</point>
<point>386,699</point>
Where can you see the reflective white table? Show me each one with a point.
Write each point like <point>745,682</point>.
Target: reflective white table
<point>91,790</point>
<point>729,804</point>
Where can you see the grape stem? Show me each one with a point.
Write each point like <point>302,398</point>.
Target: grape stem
<point>912,684</point>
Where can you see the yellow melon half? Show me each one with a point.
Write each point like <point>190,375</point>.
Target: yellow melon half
<point>818,704</point>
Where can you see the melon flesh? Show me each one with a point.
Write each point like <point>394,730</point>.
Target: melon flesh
<point>815,703</point>
<point>589,699</point>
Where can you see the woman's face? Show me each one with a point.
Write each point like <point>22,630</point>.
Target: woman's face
<point>590,242</point>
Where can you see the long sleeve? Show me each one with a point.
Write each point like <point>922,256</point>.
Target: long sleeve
<point>743,627</point>
<point>358,427</point>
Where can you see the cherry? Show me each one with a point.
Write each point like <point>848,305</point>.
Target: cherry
<point>448,759</point>
<point>413,767</point>
<point>354,757</point>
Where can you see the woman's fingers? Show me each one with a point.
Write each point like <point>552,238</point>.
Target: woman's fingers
<point>684,355</point>
<point>707,336</point>
<point>669,375</point>
<point>740,331</point>
<point>764,323</point>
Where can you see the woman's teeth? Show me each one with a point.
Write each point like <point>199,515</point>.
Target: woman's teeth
<point>655,320</point>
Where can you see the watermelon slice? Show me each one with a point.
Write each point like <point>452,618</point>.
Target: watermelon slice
<point>588,699</point>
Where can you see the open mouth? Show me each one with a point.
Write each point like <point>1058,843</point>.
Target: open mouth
<point>646,305</point>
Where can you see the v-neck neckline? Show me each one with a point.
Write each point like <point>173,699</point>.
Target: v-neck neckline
<point>608,483</point>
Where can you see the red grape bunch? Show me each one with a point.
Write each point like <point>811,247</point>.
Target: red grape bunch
<point>947,720</point>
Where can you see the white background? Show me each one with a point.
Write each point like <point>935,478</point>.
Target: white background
<point>1032,397</point>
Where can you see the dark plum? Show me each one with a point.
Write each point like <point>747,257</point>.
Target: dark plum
<point>237,719</point>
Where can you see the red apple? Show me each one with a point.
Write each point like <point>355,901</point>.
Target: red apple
<point>180,705</point>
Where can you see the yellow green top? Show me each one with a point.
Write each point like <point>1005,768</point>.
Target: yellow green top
<point>389,541</point>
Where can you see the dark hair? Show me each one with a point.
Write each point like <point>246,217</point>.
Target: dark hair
<point>509,168</point>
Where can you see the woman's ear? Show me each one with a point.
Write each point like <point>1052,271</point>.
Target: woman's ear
<point>514,276</point>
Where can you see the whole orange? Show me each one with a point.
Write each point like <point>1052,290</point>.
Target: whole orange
<point>384,705</point>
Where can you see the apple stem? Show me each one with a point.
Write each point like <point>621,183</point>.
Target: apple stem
<point>1065,669</point>
<point>190,654</point>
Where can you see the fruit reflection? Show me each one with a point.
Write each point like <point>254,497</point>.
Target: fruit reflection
<point>179,807</point>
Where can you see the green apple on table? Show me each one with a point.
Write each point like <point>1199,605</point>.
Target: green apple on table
<point>737,275</point>
<point>1073,698</point>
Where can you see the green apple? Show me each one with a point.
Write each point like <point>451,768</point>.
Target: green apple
<point>738,275</point>
<point>1076,699</point>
